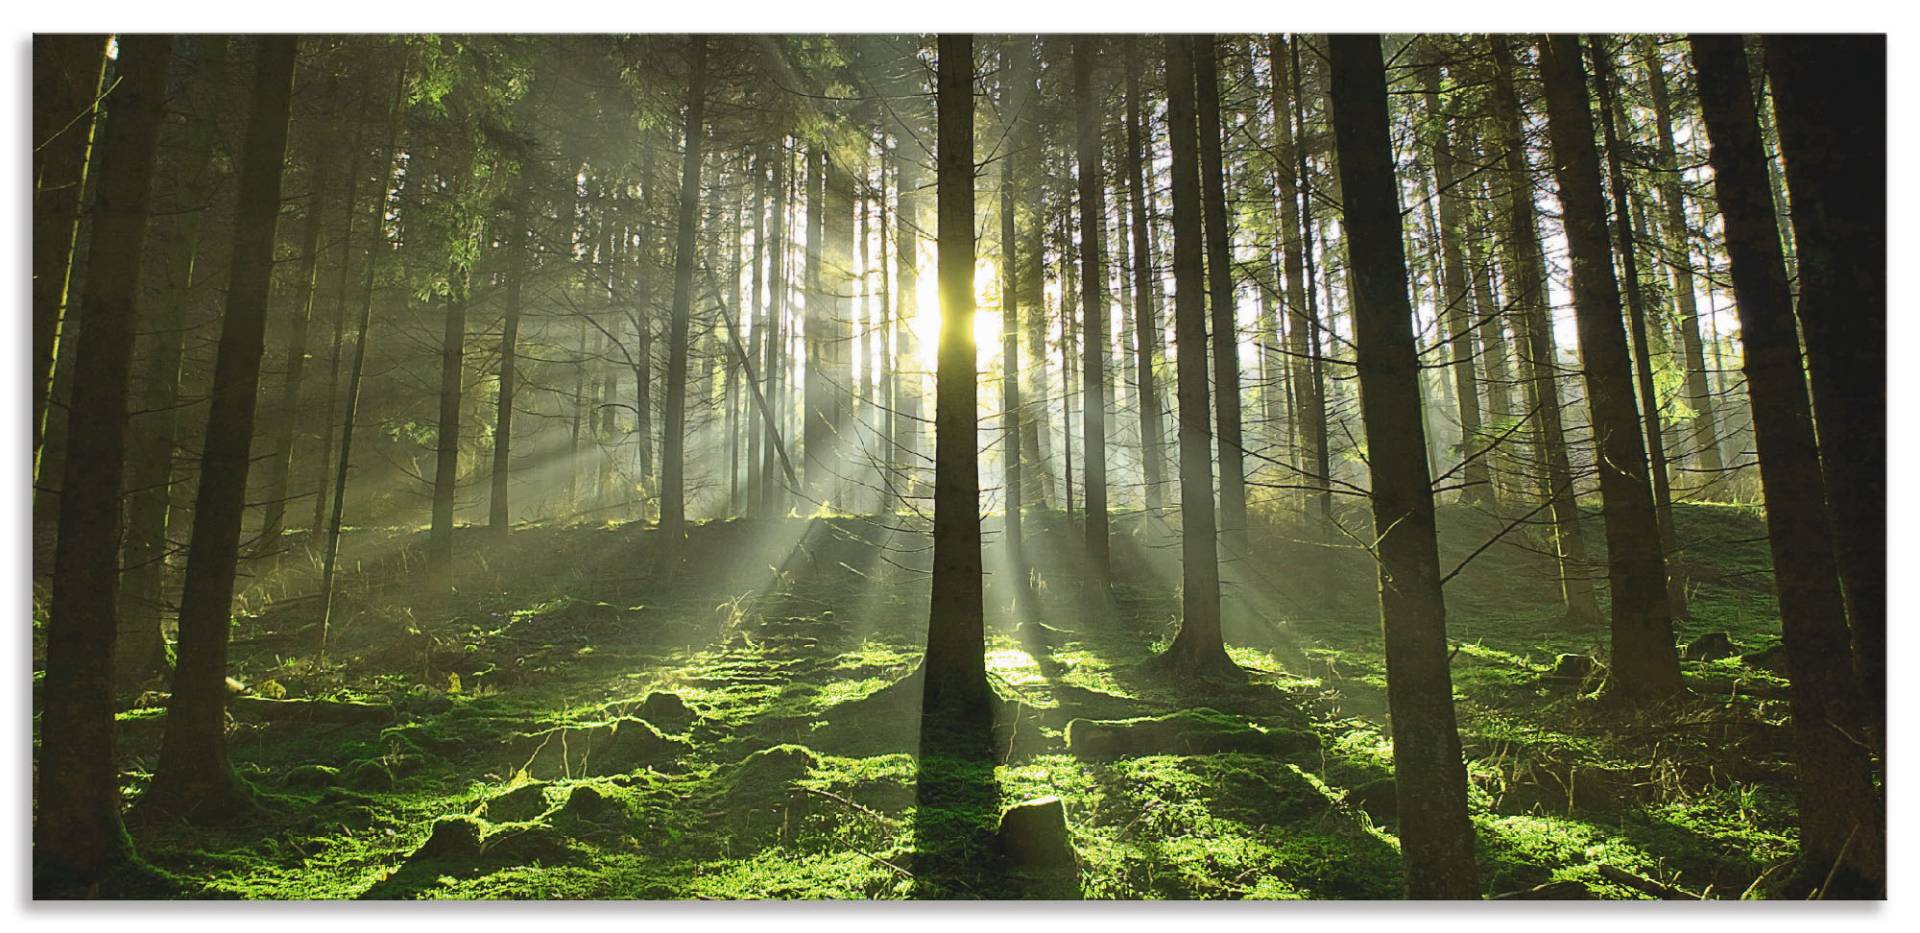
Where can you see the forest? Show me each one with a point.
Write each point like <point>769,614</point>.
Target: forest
<point>881,466</point>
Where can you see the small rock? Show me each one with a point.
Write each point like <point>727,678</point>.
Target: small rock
<point>1709,647</point>
<point>587,803</point>
<point>667,712</point>
<point>453,837</point>
<point>1033,836</point>
<point>519,804</point>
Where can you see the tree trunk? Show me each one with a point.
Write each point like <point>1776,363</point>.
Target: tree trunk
<point>1646,666</point>
<point>1612,125</point>
<point>1146,315</point>
<point>280,466</point>
<point>673,462</point>
<point>1199,648</point>
<point>499,513</point>
<point>140,650</point>
<point>1837,172</point>
<point>1093,316</point>
<point>1842,815</point>
<point>1296,215</point>
<point>193,780</point>
<point>773,498</point>
<point>1436,837</point>
<point>1528,295</point>
<point>67,71</point>
<point>956,678</point>
<point>1016,99</point>
<point>1677,244</point>
<point>1455,306</point>
<point>1225,317</point>
<point>78,838</point>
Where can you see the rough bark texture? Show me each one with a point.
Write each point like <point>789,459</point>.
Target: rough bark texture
<point>1830,97</point>
<point>1645,663</point>
<point>1220,293</point>
<point>1199,647</point>
<point>1842,816</point>
<point>956,674</point>
<point>78,837</point>
<point>1436,837</point>
<point>66,80</point>
<point>193,780</point>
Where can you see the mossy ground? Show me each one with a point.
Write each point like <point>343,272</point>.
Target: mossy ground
<point>532,740</point>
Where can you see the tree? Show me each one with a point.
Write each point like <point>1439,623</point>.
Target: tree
<point>187,180</point>
<point>1226,333</point>
<point>78,838</point>
<point>1199,649</point>
<point>1829,95</point>
<point>1528,295</point>
<point>67,73</point>
<point>1146,314</point>
<point>956,668</point>
<point>1093,310</point>
<point>1646,665</point>
<point>1842,816</point>
<point>193,779</point>
<point>673,462</point>
<point>1436,837</point>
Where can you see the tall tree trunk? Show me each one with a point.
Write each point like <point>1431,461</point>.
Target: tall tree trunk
<point>1199,648</point>
<point>673,462</point>
<point>1527,293</point>
<point>1296,215</point>
<point>1225,317</point>
<point>193,780</point>
<point>1612,125</point>
<point>956,676</point>
<point>1146,314</point>
<point>1436,837</point>
<point>499,513</point>
<point>446,461</point>
<point>1456,311</point>
<point>1837,171</point>
<point>323,482</point>
<point>774,499</point>
<point>67,72</point>
<point>756,348</point>
<point>140,650</point>
<point>376,242</point>
<point>1677,245</point>
<point>1645,664</point>
<point>78,838</point>
<point>280,466</point>
<point>1015,100</point>
<point>1093,316</point>
<point>1842,815</point>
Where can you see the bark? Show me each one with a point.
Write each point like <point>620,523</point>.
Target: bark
<point>446,470</point>
<point>774,499</point>
<point>1677,244</point>
<point>1199,647</point>
<point>67,71</point>
<point>499,511</point>
<point>1842,815</point>
<point>756,346</point>
<point>1225,317</point>
<point>1436,836</point>
<point>673,464</point>
<point>1534,334</point>
<point>1456,312</point>
<point>376,243</point>
<point>1016,99</point>
<point>78,837</point>
<point>1612,126</point>
<point>1296,216</point>
<point>1646,666</point>
<point>956,679</point>
<point>140,650</point>
<point>194,780</point>
<point>1837,171</point>
<point>1093,316</point>
<point>280,465</point>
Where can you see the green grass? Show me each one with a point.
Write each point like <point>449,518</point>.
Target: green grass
<point>790,784</point>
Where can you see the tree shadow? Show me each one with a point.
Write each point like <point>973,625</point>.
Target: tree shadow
<point>956,806</point>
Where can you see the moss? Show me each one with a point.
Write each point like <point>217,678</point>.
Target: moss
<point>1192,731</point>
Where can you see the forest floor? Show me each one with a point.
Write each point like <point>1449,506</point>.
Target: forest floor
<point>561,727</point>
